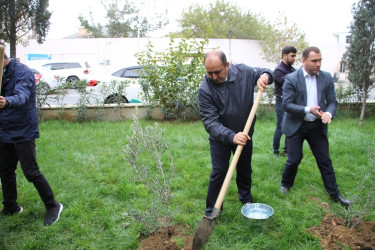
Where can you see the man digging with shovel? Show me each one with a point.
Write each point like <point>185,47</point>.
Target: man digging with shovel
<point>225,99</point>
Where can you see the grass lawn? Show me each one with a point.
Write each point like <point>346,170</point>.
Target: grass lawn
<point>85,166</point>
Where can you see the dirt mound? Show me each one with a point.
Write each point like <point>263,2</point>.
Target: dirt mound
<point>166,240</point>
<point>333,234</point>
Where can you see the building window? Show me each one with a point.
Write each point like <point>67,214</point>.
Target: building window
<point>342,67</point>
<point>347,39</point>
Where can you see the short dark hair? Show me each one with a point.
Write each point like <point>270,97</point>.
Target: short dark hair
<point>306,52</point>
<point>288,49</point>
<point>219,53</point>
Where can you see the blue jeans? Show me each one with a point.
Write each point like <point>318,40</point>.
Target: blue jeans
<point>277,135</point>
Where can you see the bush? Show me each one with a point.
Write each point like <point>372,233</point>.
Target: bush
<point>173,77</point>
<point>145,152</point>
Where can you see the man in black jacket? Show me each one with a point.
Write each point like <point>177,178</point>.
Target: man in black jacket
<point>18,131</point>
<point>288,55</point>
<point>225,99</point>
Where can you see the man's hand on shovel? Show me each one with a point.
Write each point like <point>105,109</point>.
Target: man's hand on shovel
<point>241,138</point>
<point>263,81</point>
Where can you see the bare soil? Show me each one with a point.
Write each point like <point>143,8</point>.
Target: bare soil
<point>332,232</point>
<point>167,240</point>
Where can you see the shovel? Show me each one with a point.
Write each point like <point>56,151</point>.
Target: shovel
<point>207,224</point>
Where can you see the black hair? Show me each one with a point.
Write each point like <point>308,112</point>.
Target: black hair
<point>306,52</point>
<point>219,53</point>
<point>288,49</point>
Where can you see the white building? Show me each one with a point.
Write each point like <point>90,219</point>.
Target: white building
<point>104,53</point>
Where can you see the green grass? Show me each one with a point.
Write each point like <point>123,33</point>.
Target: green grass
<point>85,166</point>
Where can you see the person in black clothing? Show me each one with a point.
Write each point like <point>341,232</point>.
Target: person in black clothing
<point>225,99</point>
<point>288,55</point>
<point>18,130</point>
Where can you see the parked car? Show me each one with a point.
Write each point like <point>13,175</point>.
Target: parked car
<point>66,70</point>
<point>47,77</point>
<point>114,76</point>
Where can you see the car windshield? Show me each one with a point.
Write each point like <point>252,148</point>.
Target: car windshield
<point>130,72</point>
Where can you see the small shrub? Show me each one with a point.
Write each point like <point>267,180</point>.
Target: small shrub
<point>145,152</point>
<point>364,198</point>
<point>83,101</point>
<point>42,93</point>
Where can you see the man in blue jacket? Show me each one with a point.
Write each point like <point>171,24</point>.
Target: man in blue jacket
<point>225,99</point>
<point>18,131</point>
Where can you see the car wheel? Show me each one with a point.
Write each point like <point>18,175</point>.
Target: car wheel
<point>43,88</point>
<point>113,99</point>
<point>72,80</point>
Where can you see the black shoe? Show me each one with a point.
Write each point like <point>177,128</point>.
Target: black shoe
<point>285,154</point>
<point>344,202</point>
<point>246,202</point>
<point>284,190</point>
<point>53,215</point>
<point>6,212</point>
<point>276,154</point>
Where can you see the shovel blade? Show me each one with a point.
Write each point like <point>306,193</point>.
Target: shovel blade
<point>205,228</point>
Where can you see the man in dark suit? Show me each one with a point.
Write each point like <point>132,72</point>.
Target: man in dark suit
<point>309,102</point>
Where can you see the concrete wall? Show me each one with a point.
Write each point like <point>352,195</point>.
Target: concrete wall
<point>105,53</point>
<point>110,112</point>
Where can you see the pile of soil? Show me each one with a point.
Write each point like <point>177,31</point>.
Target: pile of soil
<point>333,234</point>
<point>166,240</point>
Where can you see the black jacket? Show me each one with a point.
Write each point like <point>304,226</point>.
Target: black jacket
<point>225,107</point>
<point>280,72</point>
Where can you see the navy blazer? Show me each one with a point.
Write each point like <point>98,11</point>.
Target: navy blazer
<point>295,99</point>
<point>19,121</point>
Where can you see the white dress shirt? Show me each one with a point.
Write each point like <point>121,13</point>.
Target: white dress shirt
<point>312,95</point>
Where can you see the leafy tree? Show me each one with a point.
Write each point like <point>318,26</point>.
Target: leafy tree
<point>360,56</point>
<point>173,77</point>
<point>18,18</point>
<point>95,30</point>
<point>221,20</point>
<point>124,20</point>
<point>280,35</point>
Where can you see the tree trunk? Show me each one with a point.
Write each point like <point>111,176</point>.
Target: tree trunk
<point>12,28</point>
<point>362,116</point>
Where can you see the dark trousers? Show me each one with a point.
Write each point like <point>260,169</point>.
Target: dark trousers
<point>277,135</point>
<point>220,157</point>
<point>312,132</point>
<point>10,154</point>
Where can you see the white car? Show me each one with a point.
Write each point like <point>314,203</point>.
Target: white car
<point>45,76</point>
<point>110,85</point>
<point>65,70</point>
